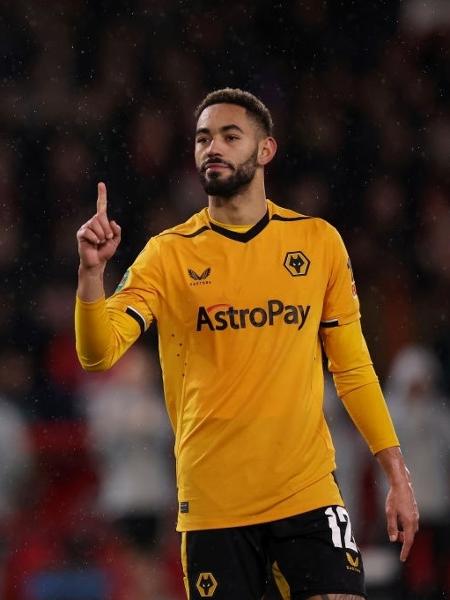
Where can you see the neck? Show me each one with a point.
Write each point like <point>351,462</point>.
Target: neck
<point>247,207</point>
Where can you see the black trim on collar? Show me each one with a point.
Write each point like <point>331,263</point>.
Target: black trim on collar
<point>245,236</point>
<point>186,235</point>
<point>280,218</point>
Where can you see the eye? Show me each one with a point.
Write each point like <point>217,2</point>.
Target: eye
<point>232,137</point>
<point>202,140</point>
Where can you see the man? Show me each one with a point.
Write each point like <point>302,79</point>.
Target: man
<point>245,294</point>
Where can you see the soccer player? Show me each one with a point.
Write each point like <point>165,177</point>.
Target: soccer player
<point>247,295</point>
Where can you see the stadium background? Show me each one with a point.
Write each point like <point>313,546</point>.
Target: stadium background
<point>105,91</point>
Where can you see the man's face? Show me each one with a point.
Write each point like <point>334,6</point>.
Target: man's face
<point>226,149</point>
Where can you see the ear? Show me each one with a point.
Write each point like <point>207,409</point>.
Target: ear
<point>267,148</point>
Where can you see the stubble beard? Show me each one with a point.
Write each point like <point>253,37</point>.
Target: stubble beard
<point>230,186</point>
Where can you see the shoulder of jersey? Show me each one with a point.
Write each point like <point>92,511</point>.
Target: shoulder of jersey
<point>195,225</point>
<point>286,215</point>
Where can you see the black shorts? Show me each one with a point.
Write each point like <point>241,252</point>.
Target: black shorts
<point>308,554</point>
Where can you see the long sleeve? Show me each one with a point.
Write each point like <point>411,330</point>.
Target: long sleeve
<point>103,334</point>
<point>105,329</point>
<point>357,384</point>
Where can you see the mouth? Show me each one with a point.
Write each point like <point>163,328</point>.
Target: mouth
<point>215,166</point>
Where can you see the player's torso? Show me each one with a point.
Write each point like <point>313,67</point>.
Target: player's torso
<point>236,311</point>
<point>243,368</point>
<point>274,281</point>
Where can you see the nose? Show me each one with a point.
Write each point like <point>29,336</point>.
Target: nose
<point>214,148</point>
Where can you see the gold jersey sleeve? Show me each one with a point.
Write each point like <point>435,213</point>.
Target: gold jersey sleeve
<point>102,336</point>
<point>242,316</point>
<point>341,304</point>
<point>357,385</point>
<point>105,329</point>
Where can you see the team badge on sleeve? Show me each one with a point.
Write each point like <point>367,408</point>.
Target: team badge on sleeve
<point>123,281</point>
<point>349,265</point>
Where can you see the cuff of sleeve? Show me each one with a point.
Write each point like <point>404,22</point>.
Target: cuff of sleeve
<point>383,444</point>
<point>90,305</point>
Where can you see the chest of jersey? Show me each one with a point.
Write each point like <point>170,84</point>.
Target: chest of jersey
<point>272,280</point>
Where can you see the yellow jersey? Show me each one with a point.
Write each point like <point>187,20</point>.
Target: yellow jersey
<point>240,317</point>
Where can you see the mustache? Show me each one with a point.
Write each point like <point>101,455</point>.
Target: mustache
<point>215,161</point>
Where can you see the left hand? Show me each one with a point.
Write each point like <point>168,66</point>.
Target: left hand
<point>402,514</point>
<point>401,508</point>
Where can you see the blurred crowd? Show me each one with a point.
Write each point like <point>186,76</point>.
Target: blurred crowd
<point>105,91</point>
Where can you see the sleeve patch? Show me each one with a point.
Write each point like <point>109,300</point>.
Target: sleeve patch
<point>123,281</point>
<point>349,266</point>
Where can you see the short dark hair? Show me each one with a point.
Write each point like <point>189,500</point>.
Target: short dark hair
<point>251,103</point>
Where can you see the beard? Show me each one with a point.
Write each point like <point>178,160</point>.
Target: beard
<point>229,186</point>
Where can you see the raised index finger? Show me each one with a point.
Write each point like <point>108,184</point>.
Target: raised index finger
<point>101,198</point>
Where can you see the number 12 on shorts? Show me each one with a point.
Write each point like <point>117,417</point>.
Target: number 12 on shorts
<point>337,519</point>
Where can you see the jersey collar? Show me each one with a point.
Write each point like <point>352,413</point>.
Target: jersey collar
<point>242,236</point>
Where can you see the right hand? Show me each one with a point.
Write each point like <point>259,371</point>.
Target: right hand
<point>99,237</point>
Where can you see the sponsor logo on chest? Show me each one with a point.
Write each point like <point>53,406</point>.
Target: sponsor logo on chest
<point>219,317</point>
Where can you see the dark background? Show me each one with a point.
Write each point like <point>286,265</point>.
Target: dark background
<point>105,91</point>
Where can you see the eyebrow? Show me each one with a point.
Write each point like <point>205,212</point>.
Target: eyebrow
<point>223,129</point>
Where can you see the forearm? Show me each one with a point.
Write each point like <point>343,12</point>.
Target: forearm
<point>103,333</point>
<point>393,465</point>
<point>93,333</point>
<point>357,385</point>
<point>90,283</point>
<point>367,409</point>
<point>92,326</point>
